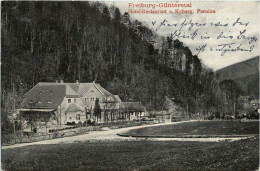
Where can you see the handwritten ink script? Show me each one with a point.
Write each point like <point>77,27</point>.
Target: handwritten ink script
<point>230,36</point>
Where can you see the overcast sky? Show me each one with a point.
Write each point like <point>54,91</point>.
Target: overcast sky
<point>226,12</point>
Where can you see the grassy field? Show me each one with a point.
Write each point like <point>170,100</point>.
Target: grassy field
<point>140,155</point>
<point>204,128</point>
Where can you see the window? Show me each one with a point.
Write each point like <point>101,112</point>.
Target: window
<point>78,116</point>
<point>69,100</point>
<point>75,100</point>
<point>86,99</point>
<point>39,102</point>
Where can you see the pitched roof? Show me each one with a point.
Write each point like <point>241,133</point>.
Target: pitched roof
<point>74,108</point>
<point>49,95</point>
<point>44,96</point>
<point>71,88</point>
<point>83,87</point>
<point>104,91</point>
<point>117,98</point>
<point>132,107</point>
<point>74,86</point>
<point>71,93</point>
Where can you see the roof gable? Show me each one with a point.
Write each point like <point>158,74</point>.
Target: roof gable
<point>74,108</point>
<point>117,98</point>
<point>70,92</point>
<point>84,87</point>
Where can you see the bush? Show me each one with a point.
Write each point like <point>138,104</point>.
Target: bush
<point>80,124</point>
<point>89,122</point>
<point>55,135</point>
<point>210,117</point>
<point>35,130</point>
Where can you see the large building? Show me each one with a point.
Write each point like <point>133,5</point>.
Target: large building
<point>75,102</point>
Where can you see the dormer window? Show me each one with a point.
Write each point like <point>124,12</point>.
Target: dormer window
<point>50,92</point>
<point>49,102</point>
<point>69,100</point>
<point>39,102</point>
<point>40,92</point>
<point>30,102</point>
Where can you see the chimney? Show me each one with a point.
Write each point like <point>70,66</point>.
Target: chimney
<point>61,81</point>
<point>57,81</point>
<point>77,81</point>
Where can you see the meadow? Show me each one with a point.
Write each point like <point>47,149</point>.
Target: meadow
<point>143,154</point>
<point>199,129</point>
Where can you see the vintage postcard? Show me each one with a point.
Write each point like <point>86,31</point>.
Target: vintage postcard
<point>130,85</point>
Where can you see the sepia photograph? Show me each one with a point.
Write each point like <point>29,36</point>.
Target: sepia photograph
<point>130,85</point>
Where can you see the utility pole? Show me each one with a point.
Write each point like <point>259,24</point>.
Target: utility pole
<point>188,110</point>
<point>235,110</point>
<point>60,116</point>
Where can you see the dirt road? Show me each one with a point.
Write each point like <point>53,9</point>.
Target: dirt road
<point>111,135</point>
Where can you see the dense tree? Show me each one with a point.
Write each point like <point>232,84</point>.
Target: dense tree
<point>232,92</point>
<point>88,41</point>
<point>97,110</point>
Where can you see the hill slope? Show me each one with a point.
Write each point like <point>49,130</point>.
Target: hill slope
<point>245,74</point>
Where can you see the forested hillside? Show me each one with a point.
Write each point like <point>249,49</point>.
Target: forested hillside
<point>245,74</point>
<point>47,41</point>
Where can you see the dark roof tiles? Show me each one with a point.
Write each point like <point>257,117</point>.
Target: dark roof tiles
<point>51,94</point>
<point>44,96</point>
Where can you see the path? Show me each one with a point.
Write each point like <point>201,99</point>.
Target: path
<point>106,134</point>
<point>111,135</point>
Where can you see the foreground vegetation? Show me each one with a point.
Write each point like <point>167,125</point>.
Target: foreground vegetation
<point>207,128</point>
<point>126,155</point>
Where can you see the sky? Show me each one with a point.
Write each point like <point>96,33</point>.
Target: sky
<point>240,33</point>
